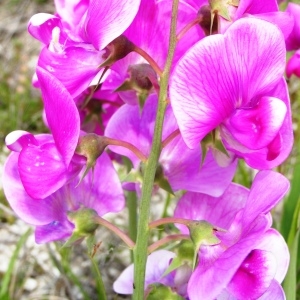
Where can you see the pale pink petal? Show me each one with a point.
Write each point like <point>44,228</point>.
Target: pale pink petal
<point>262,199</point>
<point>62,114</point>
<point>275,291</point>
<point>219,211</point>
<point>208,283</point>
<point>273,241</point>
<point>157,264</point>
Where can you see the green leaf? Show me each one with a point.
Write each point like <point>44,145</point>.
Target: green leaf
<point>4,291</point>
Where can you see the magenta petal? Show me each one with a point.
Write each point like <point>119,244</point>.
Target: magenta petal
<point>157,264</point>
<point>40,26</point>
<point>43,171</point>
<point>108,19</point>
<point>224,72</point>
<point>256,7</point>
<point>254,276</point>
<point>219,211</point>
<point>269,186</point>
<point>75,67</point>
<point>293,65</point>
<point>208,283</point>
<point>34,212</point>
<point>62,114</point>
<point>293,41</point>
<point>256,127</point>
<point>19,139</point>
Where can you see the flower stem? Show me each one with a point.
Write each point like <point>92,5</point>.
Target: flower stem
<point>149,59</point>
<point>127,145</point>
<point>99,281</point>
<point>140,250</point>
<point>188,27</point>
<point>170,138</point>
<point>132,216</point>
<point>167,239</point>
<point>121,234</point>
<point>169,221</point>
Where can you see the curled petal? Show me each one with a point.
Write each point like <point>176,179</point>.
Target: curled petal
<point>257,127</point>
<point>41,25</point>
<point>19,139</point>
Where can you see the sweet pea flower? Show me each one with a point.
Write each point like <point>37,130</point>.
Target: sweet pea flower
<point>181,166</point>
<point>229,81</point>
<point>75,59</point>
<point>251,260</point>
<point>100,191</point>
<point>49,159</point>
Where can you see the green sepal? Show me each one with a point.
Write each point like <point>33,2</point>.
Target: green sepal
<point>202,233</point>
<point>165,185</point>
<point>220,8</point>
<point>185,255</point>
<point>75,238</point>
<point>206,142</point>
<point>159,291</point>
<point>132,176</point>
<point>218,145</point>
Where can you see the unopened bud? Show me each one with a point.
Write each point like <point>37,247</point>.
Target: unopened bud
<point>83,219</point>
<point>208,23</point>
<point>116,50</point>
<point>202,233</point>
<point>160,291</point>
<point>91,146</point>
<point>85,226</point>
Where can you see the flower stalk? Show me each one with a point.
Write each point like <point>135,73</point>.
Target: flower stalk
<point>140,250</point>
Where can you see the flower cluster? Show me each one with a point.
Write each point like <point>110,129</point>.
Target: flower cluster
<point>102,71</point>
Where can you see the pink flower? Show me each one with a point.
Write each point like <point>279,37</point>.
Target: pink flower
<point>235,82</point>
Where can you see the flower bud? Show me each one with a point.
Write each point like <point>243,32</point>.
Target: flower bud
<point>116,50</point>
<point>91,146</point>
<point>83,219</point>
<point>202,233</point>
<point>162,292</point>
<point>208,23</point>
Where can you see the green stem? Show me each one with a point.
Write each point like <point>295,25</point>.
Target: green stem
<point>132,216</point>
<point>99,281</point>
<point>140,250</point>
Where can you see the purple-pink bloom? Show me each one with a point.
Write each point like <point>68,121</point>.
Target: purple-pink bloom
<point>44,159</point>
<point>293,41</point>
<point>100,191</point>
<point>181,166</point>
<point>231,82</point>
<point>252,258</point>
<point>75,58</point>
